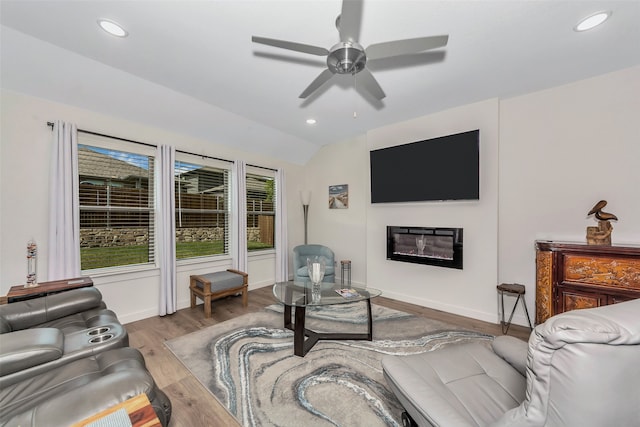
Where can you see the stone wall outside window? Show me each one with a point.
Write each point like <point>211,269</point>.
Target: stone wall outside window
<point>101,237</point>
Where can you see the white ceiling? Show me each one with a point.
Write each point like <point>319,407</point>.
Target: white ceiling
<point>190,66</point>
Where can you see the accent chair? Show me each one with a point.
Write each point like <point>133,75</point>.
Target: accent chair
<point>303,252</point>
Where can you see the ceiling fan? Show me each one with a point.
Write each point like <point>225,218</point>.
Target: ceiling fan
<point>349,57</point>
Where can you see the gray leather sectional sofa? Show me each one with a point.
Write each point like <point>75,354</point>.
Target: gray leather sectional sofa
<point>65,357</point>
<point>579,368</point>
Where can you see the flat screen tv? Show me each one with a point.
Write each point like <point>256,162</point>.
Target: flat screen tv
<point>444,168</point>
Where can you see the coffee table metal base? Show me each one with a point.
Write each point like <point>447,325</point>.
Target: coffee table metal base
<point>304,339</point>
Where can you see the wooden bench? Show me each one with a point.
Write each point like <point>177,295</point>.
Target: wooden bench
<point>217,285</point>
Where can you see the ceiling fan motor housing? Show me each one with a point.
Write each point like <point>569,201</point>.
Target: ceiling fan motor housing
<point>346,58</point>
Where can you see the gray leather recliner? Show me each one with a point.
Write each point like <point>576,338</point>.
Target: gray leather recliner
<point>64,358</point>
<point>43,333</point>
<point>73,392</point>
<point>579,368</point>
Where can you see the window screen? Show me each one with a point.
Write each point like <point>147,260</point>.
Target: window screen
<point>202,210</point>
<point>260,211</point>
<point>116,192</point>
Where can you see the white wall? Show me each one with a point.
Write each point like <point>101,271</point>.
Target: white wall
<point>359,232</point>
<point>343,230</point>
<point>546,159</point>
<point>24,173</point>
<point>470,291</point>
<point>561,151</point>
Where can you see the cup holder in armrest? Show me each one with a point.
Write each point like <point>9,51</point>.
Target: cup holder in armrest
<point>96,338</point>
<point>100,338</point>
<point>99,331</point>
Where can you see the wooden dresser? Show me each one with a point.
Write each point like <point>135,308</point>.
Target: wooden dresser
<point>571,276</point>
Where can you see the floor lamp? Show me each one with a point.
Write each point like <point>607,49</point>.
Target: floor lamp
<point>306,198</point>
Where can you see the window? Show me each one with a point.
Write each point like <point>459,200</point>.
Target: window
<point>117,215</point>
<point>260,211</point>
<point>202,210</point>
<point>118,211</point>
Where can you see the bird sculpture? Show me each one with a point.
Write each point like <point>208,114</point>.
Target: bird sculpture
<point>600,215</point>
<point>600,235</point>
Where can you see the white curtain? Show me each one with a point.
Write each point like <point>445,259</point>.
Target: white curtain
<point>282,250</point>
<point>239,209</point>
<point>167,230</point>
<point>64,212</point>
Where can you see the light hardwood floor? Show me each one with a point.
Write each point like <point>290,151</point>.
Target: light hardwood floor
<point>193,405</point>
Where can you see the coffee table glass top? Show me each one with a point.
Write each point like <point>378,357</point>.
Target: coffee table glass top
<point>301,294</point>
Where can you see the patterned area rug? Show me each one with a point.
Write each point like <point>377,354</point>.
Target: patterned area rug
<point>248,364</point>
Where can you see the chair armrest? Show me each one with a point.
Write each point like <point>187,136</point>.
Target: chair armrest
<point>206,284</point>
<point>513,351</point>
<point>24,349</point>
<point>26,314</point>
<point>245,276</point>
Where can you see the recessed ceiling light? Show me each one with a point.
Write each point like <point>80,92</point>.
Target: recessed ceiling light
<point>592,21</point>
<point>112,28</point>
<point>311,121</point>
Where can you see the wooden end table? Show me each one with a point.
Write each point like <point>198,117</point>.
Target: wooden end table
<point>20,293</point>
<point>138,408</point>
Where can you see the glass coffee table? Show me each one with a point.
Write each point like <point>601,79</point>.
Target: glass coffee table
<point>301,295</point>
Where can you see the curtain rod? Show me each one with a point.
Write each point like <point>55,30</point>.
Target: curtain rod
<point>50,124</point>
<point>262,167</point>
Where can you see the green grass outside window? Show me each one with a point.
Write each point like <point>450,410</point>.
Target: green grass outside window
<point>92,258</point>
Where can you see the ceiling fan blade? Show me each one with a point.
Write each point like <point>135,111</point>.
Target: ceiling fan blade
<point>299,47</point>
<point>316,63</point>
<point>406,61</point>
<point>403,47</point>
<point>369,83</point>
<point>349,20</point>
<point>324,77</point>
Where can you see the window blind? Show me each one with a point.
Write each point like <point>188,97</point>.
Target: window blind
<point>117,207</point>
<point>260,210</point>
<point>202,207</point>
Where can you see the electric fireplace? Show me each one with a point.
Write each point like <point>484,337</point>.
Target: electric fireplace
<point>425,245</point>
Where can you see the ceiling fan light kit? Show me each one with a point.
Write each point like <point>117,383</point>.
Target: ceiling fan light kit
<point>349,57</point>
<point>346,58</point>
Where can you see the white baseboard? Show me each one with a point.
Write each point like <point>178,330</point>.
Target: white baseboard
<point>518,319</point>
<point>138,315</point>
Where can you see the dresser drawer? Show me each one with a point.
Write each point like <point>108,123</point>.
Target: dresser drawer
<point>601,271</point>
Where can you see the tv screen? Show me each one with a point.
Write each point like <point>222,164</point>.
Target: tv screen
<point>444,168</point>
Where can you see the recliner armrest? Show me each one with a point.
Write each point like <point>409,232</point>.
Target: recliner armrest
<point>26,314</point>
<point>513,351</point>
<point>23,349</point>
<point>457,385</point>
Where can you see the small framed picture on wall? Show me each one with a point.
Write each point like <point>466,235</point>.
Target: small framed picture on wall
<point>339,196</point>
